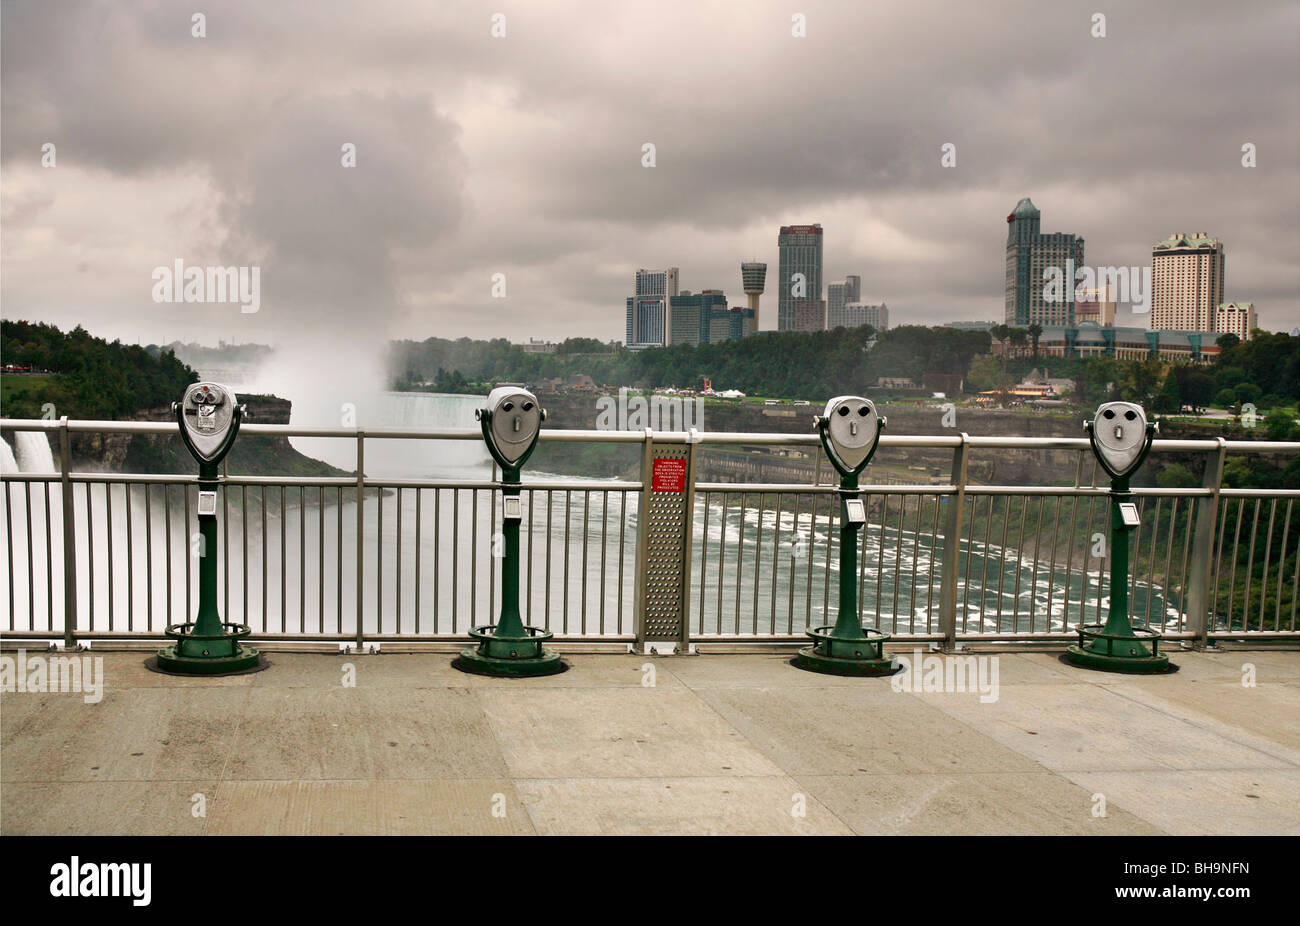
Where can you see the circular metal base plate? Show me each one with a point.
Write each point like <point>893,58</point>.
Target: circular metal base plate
<point>812,661</point>
<point>246,659</point>
<point>1133,665</point>
<point>474,662</point>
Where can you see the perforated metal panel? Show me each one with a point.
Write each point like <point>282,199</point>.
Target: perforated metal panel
<point>666,559</point>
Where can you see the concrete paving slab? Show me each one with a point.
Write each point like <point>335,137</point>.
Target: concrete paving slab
<point>1271,666</point>
<point>368,808</point>
<point>1227,802</point>
<point>102,808</point>
<point>597,671</point>
<point>327,670</point>
<point>707,806</point>
<point>1192,667</point>
<point>363,733</point>
<point>983,804</point>
<point>1265,717</point>
<point>870,729</point>
<point>1036,668</point>
<point>1282,666</point>
<point>745,671</point>
<point>616,733</point>
<point>137,734</point>
<point>127,670</point>
<point>721,744</point>
<point>1090,726</point>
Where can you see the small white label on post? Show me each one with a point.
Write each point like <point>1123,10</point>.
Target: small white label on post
<point>1128,513</point>
<point>207,503</point>
<point>513,509</point>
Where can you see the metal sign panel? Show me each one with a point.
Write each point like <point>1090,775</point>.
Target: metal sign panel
<point>664,579</point>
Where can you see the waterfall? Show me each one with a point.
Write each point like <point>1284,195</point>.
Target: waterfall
<point>8,462</point>
<point>35,509</point>
<point>32,449</point>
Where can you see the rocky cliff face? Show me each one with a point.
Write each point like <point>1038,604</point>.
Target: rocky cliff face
<point>149,453</point>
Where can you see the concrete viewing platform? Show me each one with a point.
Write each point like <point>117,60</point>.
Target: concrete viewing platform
<point>711,744</point>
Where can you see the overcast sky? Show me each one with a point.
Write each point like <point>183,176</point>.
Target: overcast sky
<point>522,155</point>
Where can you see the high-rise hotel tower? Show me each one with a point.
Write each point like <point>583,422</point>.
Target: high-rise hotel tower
<point>1186,282</point>
<point>1029,255</point>
<point>800,248</point>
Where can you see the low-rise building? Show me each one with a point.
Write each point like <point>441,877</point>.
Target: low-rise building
<point>1092,340</point>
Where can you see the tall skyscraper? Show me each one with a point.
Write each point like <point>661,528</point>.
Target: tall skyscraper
<point>649,323</point>
<point>1186,282</point>
<point>800,248</point>
<point>753,278</point>
<point>1029,255</point>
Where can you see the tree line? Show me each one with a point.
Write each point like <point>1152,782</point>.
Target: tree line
<point>91,377</point>
<point>788,363</point>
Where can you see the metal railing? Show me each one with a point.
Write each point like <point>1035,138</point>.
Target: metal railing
<point>373,558</point>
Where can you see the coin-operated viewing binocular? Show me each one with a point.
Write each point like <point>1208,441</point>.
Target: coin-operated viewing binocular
<point>1121,438</point>
<point>209,415</point>
<point>850,432</point>
<point>511,422</point>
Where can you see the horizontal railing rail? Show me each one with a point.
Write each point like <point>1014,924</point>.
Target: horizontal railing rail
<point>377,557</point>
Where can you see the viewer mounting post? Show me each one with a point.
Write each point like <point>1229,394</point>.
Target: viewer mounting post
<point>1121,438</point>
<point>511,422</point>
<point>209,417</point>
<point>850,432</point>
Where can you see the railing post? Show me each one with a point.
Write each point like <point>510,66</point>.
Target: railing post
<point>69,538</point>
<point>361,524</point>
<point>952,550</point>
<point>642,533</point>
<point>1201,557</point>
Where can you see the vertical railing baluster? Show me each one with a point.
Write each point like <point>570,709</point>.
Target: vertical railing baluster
<point>419,493</point>
<point>1204,565</point>
<point>361,551</point>
<point>69,537</point>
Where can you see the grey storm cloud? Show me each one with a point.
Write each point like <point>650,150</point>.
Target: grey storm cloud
<point>522,155</point>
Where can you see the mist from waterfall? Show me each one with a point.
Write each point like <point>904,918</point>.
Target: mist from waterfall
<point>394,458</point>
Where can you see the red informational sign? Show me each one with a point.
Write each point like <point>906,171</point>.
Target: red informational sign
<point>668,476</point>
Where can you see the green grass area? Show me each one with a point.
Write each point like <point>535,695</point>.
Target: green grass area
<point>27,396</point>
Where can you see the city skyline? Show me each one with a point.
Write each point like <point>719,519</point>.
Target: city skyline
<point>466,167</point>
